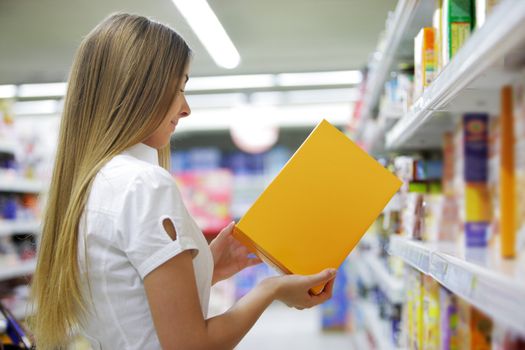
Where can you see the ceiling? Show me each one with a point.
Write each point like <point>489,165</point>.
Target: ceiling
<point>38,38</point>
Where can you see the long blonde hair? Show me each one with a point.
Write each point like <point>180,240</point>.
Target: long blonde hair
<point>125,74</point>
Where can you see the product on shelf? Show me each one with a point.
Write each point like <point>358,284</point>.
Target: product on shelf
<point>418,318</point>
<point>493,179</point>
<point>474,328</point>
<point>478,210</point>
<point>450,220</point>
<point>457,24</point>
<point>207,194</point>
<point>437,23</point>
<point>424,60</point>
<point>431,313</point>
<point>507,177</point>
<point>19,207</point>
<point>519,148</point>
<point>448,314</point>
<point>334,312</point>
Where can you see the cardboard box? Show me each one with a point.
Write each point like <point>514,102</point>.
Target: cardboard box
<point>424,60</point>
<point>319,206</point>
<point>457,25</point>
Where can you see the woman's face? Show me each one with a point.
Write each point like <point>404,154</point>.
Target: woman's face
<point>179,109</point>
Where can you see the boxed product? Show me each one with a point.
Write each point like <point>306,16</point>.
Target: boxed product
<point>417,313</point>
<point>464,309</point>
<point>328,177</point>
<point>456,26</point>
<point>448,315</point>
<point>507,189</point>
<point>480,330</point>
<point>430,313</point>
<point>474,328</point>
<point>334,312</point>
<point>409,306</point>
<point>477,199</point>
<point>436,24</point>
<point>519,154</point>
<point>433,210</point>
<point>450,220</point>
<point>424,60</point>
<point>493,173</point>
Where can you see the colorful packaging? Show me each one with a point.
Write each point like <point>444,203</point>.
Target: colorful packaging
<point>409,306</point>
<point>418,339</point>
<point>208,196</point>
<point>431,311</point>
<point>424,60</point>
<point>477,199</point>
<point>448,314</point>
<point>519,154</point>
<point>480,330</point>
<point>474,328</point>
<point>507,176</point>
<point>463,309</point>
<point>457,25</point>
<point>334,312</point>
<point>450,221</point>
<point>438,33</point>
<point>493,173</point>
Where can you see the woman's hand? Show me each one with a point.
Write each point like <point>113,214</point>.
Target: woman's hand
<point>294,290</point>
<point>229,256</point>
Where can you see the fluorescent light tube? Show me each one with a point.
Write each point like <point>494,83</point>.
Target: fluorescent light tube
<point>7,91</point>
<point>216,100</point>
<point>350,77</point>
<point>210,32</point>
<point>224,82</point>
<point>42,90</point>
<point>288,116</point>
<point>36,107</point>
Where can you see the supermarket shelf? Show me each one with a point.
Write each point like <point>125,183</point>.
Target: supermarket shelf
<point>408,17</point>
<point>376,327</point>
<point>18,270</point>
<point>21,310</point>
<point>7,147</point>
<point>21,185</point>
<point>468,82</point>
<point>493,285</point>
<point>364,276</point>
<point>391,286</point>
<point>9,227</point>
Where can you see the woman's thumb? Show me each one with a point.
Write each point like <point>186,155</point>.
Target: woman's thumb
<point>226,231</point>
<point>321,277</point>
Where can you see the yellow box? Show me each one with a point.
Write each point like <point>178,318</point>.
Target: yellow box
<point>319,206</point>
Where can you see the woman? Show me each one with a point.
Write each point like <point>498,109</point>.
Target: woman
<point>120,260</point>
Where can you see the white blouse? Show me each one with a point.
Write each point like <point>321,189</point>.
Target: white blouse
<point>122,237</point>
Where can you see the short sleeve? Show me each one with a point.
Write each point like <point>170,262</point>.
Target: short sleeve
<point>150,199</point>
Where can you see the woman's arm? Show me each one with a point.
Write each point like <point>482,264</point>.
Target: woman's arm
<point>176,311</point>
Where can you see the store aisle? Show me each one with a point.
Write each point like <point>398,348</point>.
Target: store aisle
<point>282,328</point>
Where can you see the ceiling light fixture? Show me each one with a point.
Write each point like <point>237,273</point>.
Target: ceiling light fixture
<point>210,32</point>
<point>224,82</point>
<point>7,91</point>
<point>349,77</point>
<point>42,90</point>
